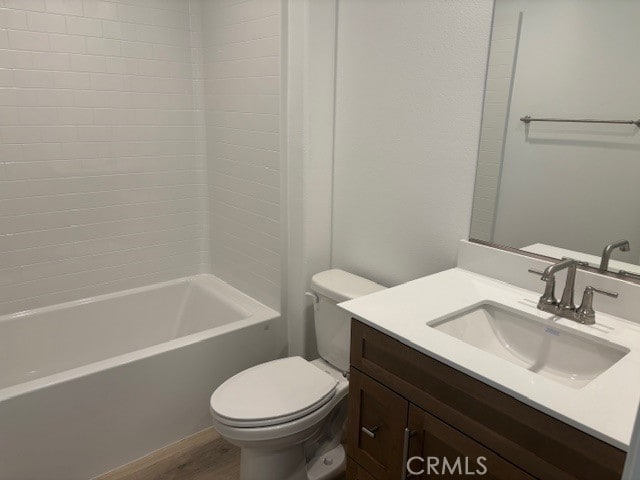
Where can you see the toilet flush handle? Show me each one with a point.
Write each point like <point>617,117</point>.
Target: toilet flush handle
<point>316,300</point>
<point>315,297</point>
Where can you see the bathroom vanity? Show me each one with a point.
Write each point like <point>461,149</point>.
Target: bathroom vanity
<point>406,404</point>
<point>533,396</point>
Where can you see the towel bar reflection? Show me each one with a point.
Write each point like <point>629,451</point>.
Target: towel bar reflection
<point>528,119</point>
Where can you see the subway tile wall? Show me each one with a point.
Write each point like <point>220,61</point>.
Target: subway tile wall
<point>502,57</point>
<point>241,55</point>
<point>102,168</point>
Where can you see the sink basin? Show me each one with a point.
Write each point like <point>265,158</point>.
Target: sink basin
<point>569,357</point>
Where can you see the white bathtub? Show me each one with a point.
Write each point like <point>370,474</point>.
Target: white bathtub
<point>89,385</point>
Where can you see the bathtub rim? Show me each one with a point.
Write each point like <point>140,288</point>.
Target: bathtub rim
<point>258,313</point>
<point>126,292</point>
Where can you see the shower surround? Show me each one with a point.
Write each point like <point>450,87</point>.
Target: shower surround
<point>137,146</point>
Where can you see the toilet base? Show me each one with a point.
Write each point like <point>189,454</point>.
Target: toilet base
<point>264,464</point>
<point>327,466</point>
<point>290,464</point>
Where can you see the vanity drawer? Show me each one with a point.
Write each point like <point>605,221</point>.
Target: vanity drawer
<point>535,442</point>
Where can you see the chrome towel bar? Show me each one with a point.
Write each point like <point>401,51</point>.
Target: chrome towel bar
<point>528,119</point>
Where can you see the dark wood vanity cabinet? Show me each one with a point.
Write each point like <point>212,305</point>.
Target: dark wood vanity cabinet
<point>405,404</point>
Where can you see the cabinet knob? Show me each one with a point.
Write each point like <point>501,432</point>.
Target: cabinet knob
<point>371,432</point>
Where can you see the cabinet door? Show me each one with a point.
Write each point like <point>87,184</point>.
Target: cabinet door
<point>440,451</point>
<point>377,421</point>
<point>356,472</point>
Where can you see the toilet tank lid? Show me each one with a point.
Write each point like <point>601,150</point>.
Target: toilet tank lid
<point>341,286</point>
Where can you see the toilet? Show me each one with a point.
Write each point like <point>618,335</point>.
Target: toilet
<point>288,415</point>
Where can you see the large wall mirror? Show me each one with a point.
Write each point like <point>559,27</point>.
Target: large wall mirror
<point>546,184</point>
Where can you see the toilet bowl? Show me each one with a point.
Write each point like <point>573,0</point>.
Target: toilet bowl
<point>288,415</point>
<point>301,405</point>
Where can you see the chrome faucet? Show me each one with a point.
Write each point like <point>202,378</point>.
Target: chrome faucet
<point>623,245</point>
<point>566,307</point>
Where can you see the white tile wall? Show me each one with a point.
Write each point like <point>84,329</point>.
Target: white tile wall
<point>242,96</point>
<point>102,174</point>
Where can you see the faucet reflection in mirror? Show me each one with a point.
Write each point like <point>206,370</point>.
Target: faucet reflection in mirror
<point>623,245</point>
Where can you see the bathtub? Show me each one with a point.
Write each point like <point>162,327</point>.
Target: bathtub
<point>89,385</point>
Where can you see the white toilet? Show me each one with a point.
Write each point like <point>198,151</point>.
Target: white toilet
<point>288,415</point>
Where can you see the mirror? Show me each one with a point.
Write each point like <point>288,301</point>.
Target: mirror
<point>562,188</point>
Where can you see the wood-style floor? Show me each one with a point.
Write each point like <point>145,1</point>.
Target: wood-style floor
<point>203,456</point>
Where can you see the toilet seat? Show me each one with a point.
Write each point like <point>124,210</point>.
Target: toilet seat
<point>272,393</point>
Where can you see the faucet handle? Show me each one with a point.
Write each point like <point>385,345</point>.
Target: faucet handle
<point>585,312</point>
<point>548,298</point>
<point>603,292</point>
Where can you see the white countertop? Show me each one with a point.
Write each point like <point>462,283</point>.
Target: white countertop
<point>605,408</point>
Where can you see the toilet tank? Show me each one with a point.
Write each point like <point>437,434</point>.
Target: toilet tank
<point>333,325</point>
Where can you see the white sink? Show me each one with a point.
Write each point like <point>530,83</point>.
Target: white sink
<point>552,351</point>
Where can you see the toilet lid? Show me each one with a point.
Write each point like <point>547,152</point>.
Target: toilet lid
<point>272,393</point>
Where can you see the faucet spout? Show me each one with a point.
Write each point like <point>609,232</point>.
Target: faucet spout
<point>551,270</point>
<point>567,301</point>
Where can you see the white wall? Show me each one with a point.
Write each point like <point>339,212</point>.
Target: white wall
<point>573,186</point>
<point>307,192</point>
<point>101,186</point>
<point>410,78</point>
<point>242,94</point>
